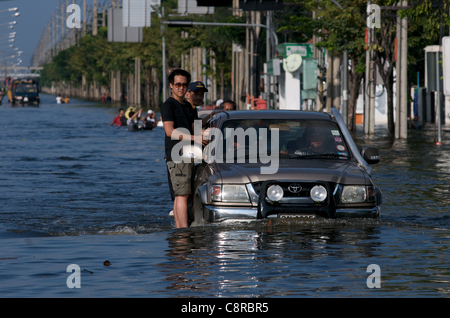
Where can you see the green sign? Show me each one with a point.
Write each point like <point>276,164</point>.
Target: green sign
<point>273,67</point>
<point>304,50</point>
<point>310,74</point>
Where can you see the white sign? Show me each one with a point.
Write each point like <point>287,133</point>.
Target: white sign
<point>446,64</point>
<point>190,7</point>
<point>137,13</point>
<point>296,49</point>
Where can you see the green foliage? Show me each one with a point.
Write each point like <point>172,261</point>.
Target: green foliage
<point>94,56</point>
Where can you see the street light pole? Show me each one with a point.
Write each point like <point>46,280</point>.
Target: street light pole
<point>163,56</point>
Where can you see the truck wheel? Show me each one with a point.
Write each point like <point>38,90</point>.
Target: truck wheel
<point>198,212</point>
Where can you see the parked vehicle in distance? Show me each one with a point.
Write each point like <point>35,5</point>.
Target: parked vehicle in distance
<point>319,174</point>
<point>25,91</point>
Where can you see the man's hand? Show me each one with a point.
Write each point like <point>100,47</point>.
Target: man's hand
<point>200,139</point>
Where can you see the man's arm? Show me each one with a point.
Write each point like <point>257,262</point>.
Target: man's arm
<point>169,129</point>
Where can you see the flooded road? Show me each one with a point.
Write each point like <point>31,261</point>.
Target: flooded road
<point>74,190</point>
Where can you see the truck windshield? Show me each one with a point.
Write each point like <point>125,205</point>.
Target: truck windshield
<point>296,138</point>
<point>26,88</point>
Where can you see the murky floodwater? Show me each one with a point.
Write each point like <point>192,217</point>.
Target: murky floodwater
<point>75,191</point>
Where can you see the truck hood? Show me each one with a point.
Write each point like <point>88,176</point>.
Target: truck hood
<point>294,169</point>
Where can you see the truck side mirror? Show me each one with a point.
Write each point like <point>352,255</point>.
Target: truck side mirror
<point>370,154</point>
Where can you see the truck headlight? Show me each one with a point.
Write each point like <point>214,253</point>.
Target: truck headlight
<point>229,193</point>
<point>318,193</point>
<point>275,193</point>
<point>354,194</point>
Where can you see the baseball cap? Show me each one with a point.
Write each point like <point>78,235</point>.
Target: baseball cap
<point>150,112</point>
<point>195,86</point>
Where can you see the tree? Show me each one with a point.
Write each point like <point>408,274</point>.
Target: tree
<point>425,27</point>
<point>383,45</point>
<point>339,30</point>
<point>218,40</point>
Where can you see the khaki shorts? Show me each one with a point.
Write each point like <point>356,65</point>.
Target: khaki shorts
<point>180,176</point>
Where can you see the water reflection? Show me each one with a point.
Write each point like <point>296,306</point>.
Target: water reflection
<point>413,175</point>
<point>271,260</point>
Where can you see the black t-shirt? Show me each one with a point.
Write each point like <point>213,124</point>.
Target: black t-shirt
<point>182,115</point>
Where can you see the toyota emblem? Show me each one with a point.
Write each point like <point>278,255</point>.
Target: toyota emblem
<point>295,188</point>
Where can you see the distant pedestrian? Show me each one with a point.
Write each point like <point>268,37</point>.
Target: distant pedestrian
<point>218,103</point>
<point>120,120</point>
<point>150,120</point>
<point>103,98</point>
<point>228,105</point>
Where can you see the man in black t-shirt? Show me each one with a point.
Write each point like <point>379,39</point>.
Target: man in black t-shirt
<point>177,114</point>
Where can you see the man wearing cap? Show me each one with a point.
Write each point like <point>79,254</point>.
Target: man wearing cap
<point>150,121</point>
<point>196,93</point>
<point>218,103</point>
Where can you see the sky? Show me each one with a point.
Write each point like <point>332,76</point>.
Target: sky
<point>34,17</point>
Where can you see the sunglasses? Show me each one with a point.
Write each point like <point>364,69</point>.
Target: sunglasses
<point>178,85</point>
<point>316,135</point>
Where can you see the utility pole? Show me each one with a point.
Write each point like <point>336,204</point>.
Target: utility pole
<point>369,101</point>
<point>344,110</point>
<point>401,97</point>
<point>94,19</point>
<point>163,57</point>
<point>73,38</point>
<point>268,57</point>
<point>83,32</point>
<point>336,82</point>
<point>63,29</point>
<point>404,85</point>
<point>398,73</point>
<point>329,80</point>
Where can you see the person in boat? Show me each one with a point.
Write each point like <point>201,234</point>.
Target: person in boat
<point>120,120</point>
<point>135,123</point>
<point>58,99</point>
<point>150,120</point>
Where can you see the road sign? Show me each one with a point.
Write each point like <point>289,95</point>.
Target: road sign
<point>305,50</point>
<point>137,13</point>
<point>118,33</point>
<point>310,74</point>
